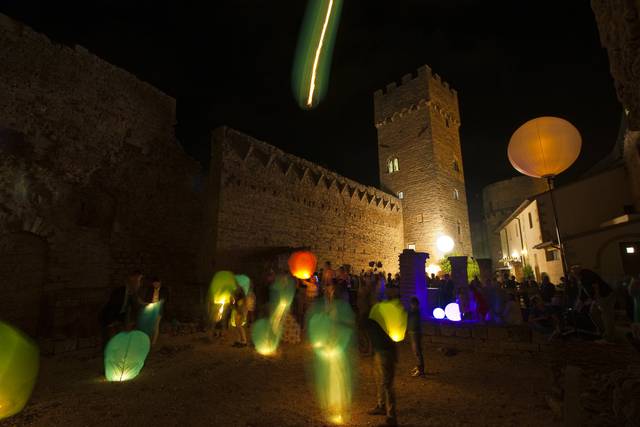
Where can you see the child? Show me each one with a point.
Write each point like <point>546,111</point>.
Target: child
<point>240,318</point>
<point>414,329</point>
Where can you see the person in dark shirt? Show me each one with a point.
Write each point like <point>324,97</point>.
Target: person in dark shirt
<point>121,311</point>
<point>603,298</point>
<point>414,329</point>
<point>385,358</point>
<point>547,289</point>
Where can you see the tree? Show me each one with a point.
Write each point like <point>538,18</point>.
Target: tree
<point>473,269</point>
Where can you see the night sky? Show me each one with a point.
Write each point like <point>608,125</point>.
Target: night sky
<point>229,62</point>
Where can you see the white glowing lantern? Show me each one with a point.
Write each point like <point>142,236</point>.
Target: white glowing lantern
<point>438,313</point>
<point>445,244</point>
<point>432,269</point>
<point>452,311</point>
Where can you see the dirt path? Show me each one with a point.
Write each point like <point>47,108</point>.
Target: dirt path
<point>189,382</point>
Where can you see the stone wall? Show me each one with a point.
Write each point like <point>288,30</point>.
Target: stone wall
<point>619,25</point>
<point>418,123</point>
<point>264,202</point>
<point>92,185</point>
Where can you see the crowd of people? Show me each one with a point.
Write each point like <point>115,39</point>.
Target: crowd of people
<point>582,301</point>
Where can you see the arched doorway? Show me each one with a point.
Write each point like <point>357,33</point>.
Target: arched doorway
<point>23,268</point>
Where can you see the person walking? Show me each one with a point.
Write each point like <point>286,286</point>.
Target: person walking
<point>384,368</point>
<point>414,329</point>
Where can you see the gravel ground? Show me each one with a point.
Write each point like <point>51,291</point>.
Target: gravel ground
<point>189,381</point>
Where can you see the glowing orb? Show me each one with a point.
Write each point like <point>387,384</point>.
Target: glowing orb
<point>125,355</point>
<point>266,332</point>
<point>544,147</point>
<point>452,311</point>
<point>302,264</point>
<point>148,317</point>
<point>331,330</point>
<point>244,282</point>
<point>392,317</point>
<point>438,313</point>
<point>223,285</point>
<point>444,244</point>
<point>19,363</point>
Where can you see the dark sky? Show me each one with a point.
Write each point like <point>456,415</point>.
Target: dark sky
<point>229,62</point>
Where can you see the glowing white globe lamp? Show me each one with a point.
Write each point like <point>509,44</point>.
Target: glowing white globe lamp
<point>452,311</point>
<point>445,244</point>
<point>438,313</point>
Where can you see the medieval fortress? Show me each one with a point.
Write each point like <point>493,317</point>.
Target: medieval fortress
<point>94,184</point>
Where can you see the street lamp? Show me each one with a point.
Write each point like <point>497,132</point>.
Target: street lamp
<point>543,148</point>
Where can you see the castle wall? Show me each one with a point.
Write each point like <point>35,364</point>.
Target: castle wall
<point>265,202</point>
<point>92,185</point>
<point>418,123</point>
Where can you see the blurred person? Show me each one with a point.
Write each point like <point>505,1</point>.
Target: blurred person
<point>414,330</point>
<point>512,314</point>
<point>385,358</point>
<point>121,311</point>
<point>541,319</point>
<point>157,294</point>
<point>602,309</point>
<point>547,289</point>
<point>239,304</point>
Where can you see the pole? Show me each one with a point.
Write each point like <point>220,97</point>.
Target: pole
<point>555,221</point>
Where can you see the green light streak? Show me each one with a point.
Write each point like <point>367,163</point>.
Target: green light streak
<point>315,49</point>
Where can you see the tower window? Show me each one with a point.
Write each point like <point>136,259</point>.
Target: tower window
<point>400,195</point>
<point>456,194</point>
<point>455,166</point>
<point>459,228</point>
<point>530,221</point>
<point>446,121</point>
<point>393,165</point>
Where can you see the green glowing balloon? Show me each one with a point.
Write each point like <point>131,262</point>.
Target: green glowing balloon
<point>266,333</point>
<point>331,330</point>
<point>148,317</point>
<point>223,285</point>
<point>244,282</point>
<point>19,362</point>
<point>314,52</point>
<point>125,355</point>
<point>392,317</point>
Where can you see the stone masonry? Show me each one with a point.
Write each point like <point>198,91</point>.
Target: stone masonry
<point>418,124</point>
<point>92,185</point>
<point>264,201</point>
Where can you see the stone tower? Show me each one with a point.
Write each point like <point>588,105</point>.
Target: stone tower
<point>421,162</point>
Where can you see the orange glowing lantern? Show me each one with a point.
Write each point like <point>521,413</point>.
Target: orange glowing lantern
<point>302,264</point>
<point>544,147</point>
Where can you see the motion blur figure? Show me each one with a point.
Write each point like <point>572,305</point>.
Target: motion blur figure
<point>414,329</point>
<point>385,357</point>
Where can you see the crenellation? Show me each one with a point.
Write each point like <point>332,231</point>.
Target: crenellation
<point>407,78</point>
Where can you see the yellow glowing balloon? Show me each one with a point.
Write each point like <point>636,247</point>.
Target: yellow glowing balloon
<point>544,147</point>
<point>392,317</point>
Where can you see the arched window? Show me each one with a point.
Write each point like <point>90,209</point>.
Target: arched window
<point>393,165</point>
<point>456,194</point>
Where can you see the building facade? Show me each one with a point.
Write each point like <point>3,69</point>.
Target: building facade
<point>499,200</point>
<point>596,229</point>
<point>420,160</point>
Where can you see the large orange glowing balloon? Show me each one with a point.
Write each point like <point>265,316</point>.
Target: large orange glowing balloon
<point>302,264</point>
<point>544,147</point>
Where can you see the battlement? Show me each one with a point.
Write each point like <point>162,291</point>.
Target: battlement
<point>247,148</point>
<point>420,74</point>
<point>423,87</point>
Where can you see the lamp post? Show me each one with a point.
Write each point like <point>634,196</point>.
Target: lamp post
<point>543,148</point>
